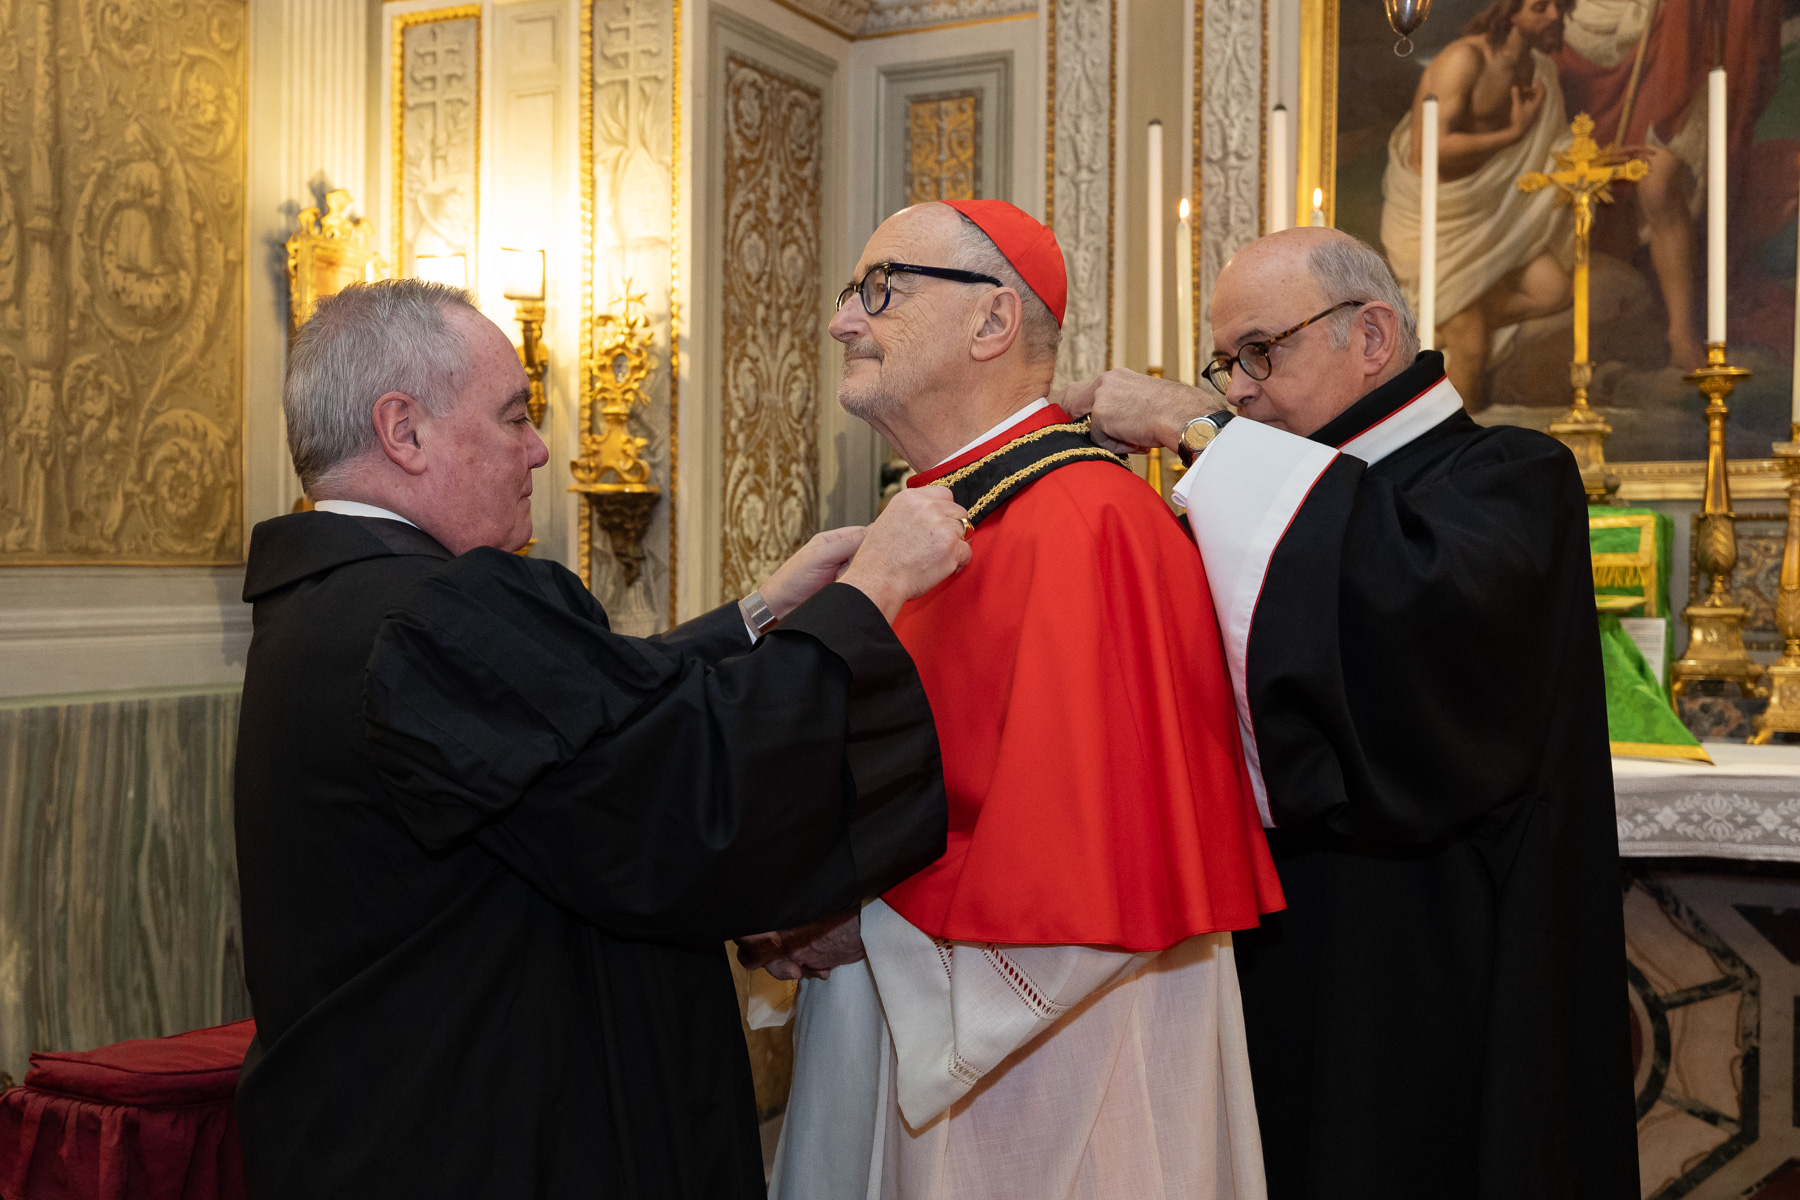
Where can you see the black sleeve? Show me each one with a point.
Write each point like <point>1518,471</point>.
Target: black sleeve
<point>1424,698</point>
<point>647,790</point>
<point>712,636</point>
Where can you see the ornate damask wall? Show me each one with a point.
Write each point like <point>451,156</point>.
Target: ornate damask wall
<point>774,140</point>
<point>436,105</point>
<point>1230,120</point>
<point>1079,179</point>
<point>122,184</point>
<point>629,49</point>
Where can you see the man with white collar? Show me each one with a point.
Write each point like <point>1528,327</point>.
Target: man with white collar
<point>1050,1009</point>
<point>489,850</point>
<point>1407,604</point>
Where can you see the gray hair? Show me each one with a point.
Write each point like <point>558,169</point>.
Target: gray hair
<point>1040,332</point>
<point>1347,268</point>
<point>366,341</point>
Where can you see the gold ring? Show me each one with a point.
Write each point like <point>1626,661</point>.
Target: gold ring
<point>968,527</point>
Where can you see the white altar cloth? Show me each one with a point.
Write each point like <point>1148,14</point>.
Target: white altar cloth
<point>1746,805</point>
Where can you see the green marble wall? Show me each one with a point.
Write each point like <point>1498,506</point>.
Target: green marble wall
<point>118,878</point>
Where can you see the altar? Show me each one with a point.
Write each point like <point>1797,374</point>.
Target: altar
<point>1712,927</point>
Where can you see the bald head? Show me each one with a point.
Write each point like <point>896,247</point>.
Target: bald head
<point>1278,281</point>
<point>946,359</point>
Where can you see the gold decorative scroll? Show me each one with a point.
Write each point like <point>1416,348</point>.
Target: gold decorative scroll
<point>943,147</point>
<point>326,253</point>
<point>435,103</point>
<point>122,199</point>
<point>774,144</point>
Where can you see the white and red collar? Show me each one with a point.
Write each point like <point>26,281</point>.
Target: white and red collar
<point>1425,411</point>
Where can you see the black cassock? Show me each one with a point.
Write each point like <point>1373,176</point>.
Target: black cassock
<point>1407,603</point>
<point>489,851</point>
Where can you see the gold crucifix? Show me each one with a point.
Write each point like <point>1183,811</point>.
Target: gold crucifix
<point>1583,178</point>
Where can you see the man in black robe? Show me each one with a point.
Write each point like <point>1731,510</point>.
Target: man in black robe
<point>488,850</point>
<point>1407,605</point>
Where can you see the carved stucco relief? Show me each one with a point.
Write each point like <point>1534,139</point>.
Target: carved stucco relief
<point>122,184</point>
<point>773,142</point>
<point>629,198</point>
<point>890,16</point>
<point>943,151</point>
<point>1081,178</point>
<point>1230,140</point>
<point>437,152</point>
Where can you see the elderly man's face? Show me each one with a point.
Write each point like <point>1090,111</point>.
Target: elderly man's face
<point>483,450</point>
<point>1262,292</point>
<point>905,350</point>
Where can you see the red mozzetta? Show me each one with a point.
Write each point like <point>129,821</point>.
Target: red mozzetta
<point>1097,787</point>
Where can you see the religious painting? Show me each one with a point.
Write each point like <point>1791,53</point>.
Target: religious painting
<point>1638,68</point>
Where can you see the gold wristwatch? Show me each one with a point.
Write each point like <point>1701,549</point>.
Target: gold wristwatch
<point>1198,434</point>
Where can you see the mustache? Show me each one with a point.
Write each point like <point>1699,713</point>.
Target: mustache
<point>862,348</point>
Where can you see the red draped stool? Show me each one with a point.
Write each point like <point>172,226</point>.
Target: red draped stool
<point>153,1119</point>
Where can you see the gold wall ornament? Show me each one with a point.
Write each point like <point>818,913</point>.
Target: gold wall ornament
<point>630,131</point>
<point>325,253</point>
<point>435,104</point>
<point>122,209</point>
<point>943,160</point>
<point>1583,178</point>
<point>611,476</point>
<point>770,326</point>
<point>1715,649</point>
<point>1783,675</point>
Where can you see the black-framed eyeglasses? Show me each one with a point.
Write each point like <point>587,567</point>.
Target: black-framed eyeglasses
<point>873,286</point>
<point>1254,356</point>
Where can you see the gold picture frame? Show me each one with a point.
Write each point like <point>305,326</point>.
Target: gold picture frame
<point>1315,143</point>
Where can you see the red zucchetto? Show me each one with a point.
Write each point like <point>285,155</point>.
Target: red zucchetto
<point>1028,244</point>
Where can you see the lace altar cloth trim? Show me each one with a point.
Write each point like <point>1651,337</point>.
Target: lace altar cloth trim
<point>1729,816</point>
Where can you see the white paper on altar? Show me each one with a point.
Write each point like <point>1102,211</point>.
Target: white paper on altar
<point>1651,636</point>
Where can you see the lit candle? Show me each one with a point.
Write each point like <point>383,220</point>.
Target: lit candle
<point>1715,205</point>
<point>1428,198</point>
<point>1184,297</point>
<point>1153,319</point>
<point>1318,211</point>
<point>1281,195</point>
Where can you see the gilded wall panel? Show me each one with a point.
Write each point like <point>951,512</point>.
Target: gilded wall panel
<point>629,46</point>
<point>437,123</point>
<point>122,184</point>
<point>1080,184</point>
<point>774,139</point>
<point>943,160</point>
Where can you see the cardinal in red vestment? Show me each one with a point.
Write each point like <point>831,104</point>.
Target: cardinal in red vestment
<point>1052,1007</point>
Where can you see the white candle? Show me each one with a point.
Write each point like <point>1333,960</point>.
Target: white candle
<point>1153,319</point>
<point>1184,296</point>
<point>1318,210</point>
<point>1715,205</point>
<point>1281,192</point>
<point>1428,200</point>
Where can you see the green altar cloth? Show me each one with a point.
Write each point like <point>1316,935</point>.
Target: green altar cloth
<point>1631,551</point>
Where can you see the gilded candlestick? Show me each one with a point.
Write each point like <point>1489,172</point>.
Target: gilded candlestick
<point>1715,649</point>
<point>1783,713</point>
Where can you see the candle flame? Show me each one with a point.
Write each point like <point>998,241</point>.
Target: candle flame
<point>1318,197</point>
<point>1184,208</point>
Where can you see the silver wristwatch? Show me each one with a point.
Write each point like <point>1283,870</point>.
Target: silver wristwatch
<point>757,614</point>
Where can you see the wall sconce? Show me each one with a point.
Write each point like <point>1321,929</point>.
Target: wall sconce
<point>611,476</point>
<point>451,269</point>
<point>523,271</point>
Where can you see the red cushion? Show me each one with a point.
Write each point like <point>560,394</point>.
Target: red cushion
<point>189,1068</point>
